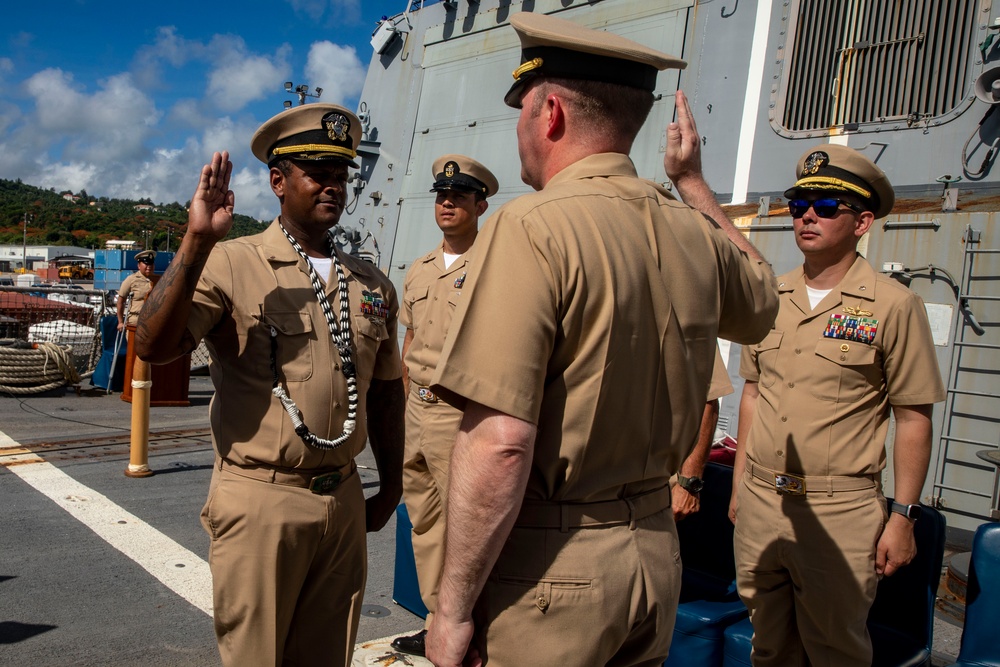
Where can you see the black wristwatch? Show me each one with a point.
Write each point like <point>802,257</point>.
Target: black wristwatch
<point>909,511</point>
<point>692,485</point>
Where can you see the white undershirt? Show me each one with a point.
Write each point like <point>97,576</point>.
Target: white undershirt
<point>816,295</point>
<point>322,266</point>
<point>449,259</point>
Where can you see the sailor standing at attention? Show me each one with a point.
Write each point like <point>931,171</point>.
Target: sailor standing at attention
<point>306,368</point>
<point>581,352</point>
<point>813,533</point>
<point>430,293</point>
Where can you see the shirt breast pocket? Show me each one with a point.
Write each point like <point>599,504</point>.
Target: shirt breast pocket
<point>416,302</point>
<point>845,370</point>
<point>766,352</point>
<point>367,341</point>
<point>294,338</point>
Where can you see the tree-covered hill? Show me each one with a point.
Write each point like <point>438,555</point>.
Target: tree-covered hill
<point>82,220</point>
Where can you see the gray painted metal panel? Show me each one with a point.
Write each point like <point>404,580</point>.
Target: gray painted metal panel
<point>439,90</point>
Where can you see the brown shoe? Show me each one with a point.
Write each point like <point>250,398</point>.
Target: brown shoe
<point>414,644</point>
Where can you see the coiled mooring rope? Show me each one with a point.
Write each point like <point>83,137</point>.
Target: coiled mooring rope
<point>35,367</point>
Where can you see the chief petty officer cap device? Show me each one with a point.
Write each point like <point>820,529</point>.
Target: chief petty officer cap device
<point>553,47</point>
<point>840,169</point>
<point>458,172</point>
<point>309,132</point>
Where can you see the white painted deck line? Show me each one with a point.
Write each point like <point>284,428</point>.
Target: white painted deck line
<point>177,568</point>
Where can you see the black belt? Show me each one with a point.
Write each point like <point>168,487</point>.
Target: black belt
<point>536,514</point>
<point>799,485</point>
<point>317,481</point>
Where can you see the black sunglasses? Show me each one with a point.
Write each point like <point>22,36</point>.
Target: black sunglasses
<point>825,208</point>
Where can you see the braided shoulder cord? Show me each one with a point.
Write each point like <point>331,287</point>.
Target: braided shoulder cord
<point>342,340</point>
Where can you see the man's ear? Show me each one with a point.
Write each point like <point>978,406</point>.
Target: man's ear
<point>481,207</point>
<point>865,220</point>
<point>555,116</point>
<point>277,179</point>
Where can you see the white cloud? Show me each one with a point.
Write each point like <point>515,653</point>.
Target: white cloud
<point>163,175</point>
<point>337,70</point>
<point>109,124</point>
<point>189,113</point>
<point>73,176</point>
<point>6,65</point>
<point>169,48</point>
<point>344,11</point>
<point>241,77</point>
<point>253,192</point>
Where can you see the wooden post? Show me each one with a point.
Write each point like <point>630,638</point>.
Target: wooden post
<point>138,465</point>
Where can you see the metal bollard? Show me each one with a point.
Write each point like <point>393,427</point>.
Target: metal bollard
<point>138,465</point>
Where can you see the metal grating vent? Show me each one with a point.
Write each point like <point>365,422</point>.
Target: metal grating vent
<point>857,62</point>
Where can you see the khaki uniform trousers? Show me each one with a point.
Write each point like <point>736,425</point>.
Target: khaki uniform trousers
<point>805,568</point>
<point>603,595</point>
<point>430,435</point>
<point>288,570</point>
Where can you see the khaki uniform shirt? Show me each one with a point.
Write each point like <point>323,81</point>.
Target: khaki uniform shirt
<point>720,385</point>
<point>592,309</point>
<point>254,283</point>
<point>430,294</point>
<point>828,377</point>
<point>138,287</point>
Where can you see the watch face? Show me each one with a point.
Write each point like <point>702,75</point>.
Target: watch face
<point>692,484</point>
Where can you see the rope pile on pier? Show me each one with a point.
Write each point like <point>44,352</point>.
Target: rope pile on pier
<point>32,368</point>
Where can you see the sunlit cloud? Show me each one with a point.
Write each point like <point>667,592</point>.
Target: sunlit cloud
<point>242,77</point>
<point>337,70</point>
<point>346,11</point>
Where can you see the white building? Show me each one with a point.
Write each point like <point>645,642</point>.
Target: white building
<point>13,257</point>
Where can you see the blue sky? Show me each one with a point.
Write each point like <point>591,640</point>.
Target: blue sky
<point>129,99</point>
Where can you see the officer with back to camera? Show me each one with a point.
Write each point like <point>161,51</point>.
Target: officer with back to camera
<point>581,351</point>
<point>305,367</point>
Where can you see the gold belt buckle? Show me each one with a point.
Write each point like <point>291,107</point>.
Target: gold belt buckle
<point>325,483</point>
<point>426,395</point>
<point>790,485</point>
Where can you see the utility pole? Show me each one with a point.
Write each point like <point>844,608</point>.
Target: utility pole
<point>168,239</point>
<point>24,245</point>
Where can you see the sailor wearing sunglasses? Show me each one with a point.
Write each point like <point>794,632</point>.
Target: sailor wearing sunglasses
<point>813,533</point>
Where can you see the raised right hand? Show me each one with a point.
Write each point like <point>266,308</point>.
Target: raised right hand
<point>211,211</point>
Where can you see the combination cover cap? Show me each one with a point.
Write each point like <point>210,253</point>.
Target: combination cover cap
<point>309,132</point>
<point>836,169</point>
<point>559,48</point>
<point>458,172</point>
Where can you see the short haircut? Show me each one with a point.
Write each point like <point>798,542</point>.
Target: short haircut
<point>610,108</point>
